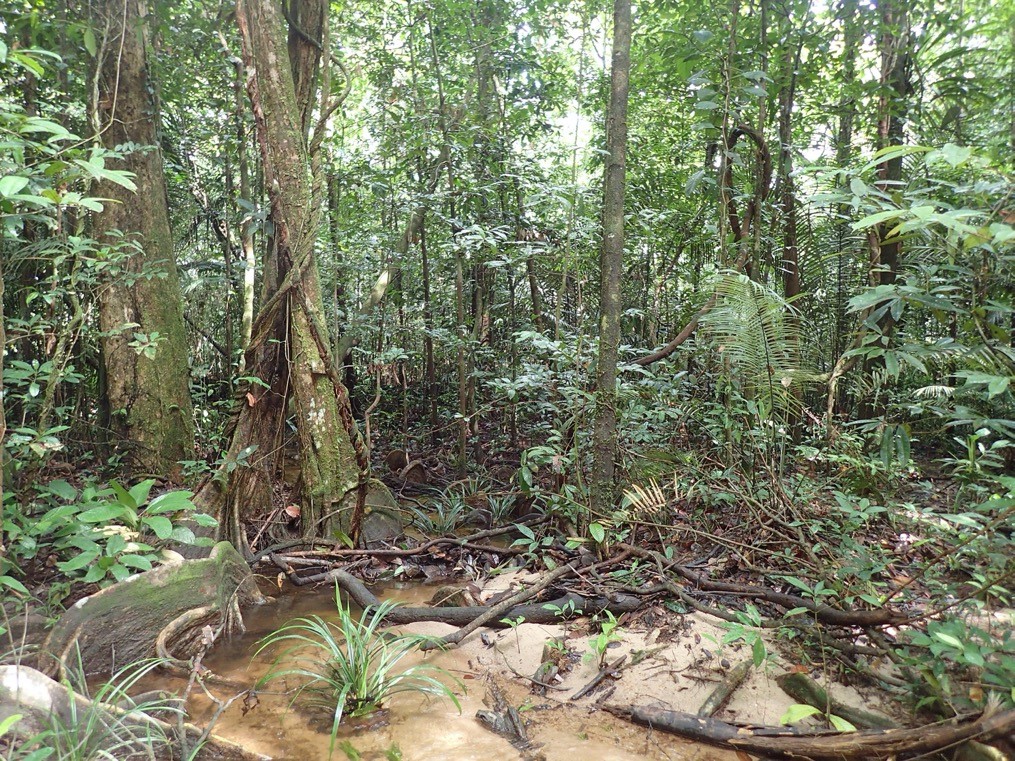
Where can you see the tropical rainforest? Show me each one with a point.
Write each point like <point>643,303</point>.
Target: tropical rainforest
<point>687,309</point>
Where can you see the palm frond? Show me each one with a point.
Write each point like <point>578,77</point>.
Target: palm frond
<point>760,336</point>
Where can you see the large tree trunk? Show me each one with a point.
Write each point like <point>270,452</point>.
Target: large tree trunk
<point>148,393</point>
<point>327,455</point>
<point>289,349</point>
<point>612,267</point>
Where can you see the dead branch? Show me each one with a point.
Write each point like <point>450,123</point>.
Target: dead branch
<point>784,742</point>
<point>611,669</point>
<point>724,691</point>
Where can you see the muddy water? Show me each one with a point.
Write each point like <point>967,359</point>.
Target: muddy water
<point>415,727</point>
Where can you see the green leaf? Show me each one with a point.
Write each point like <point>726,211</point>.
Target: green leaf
<point>840,723</point>
<point>95,573</point>
<point>140,491</point>
<point>62,489</point>
<point>171,501</point>
<point>11,583</point>
<point>10,721</point>
<point>89,40</point>
<point>597,532</point>
<point>123,496</point>
<point>101,514</point>
<point>78,562</point>
<point>183,535</point>
<point>116,545</point>
<point>201,519</point>
<point>11,185</point>
<point>948,639</point>
<point>798,712</point>
<point>136,561</point>
<point>759,652</point>
<point>997,386</point>
<point>893,152</point>
<point>955,155</point>
<point>161,525</point>
<point>876,219</point>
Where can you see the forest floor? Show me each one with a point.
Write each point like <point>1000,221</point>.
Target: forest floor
<point>665,659</point>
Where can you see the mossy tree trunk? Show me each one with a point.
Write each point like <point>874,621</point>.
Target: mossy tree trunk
<point>612,267</point>
<point>289,348</point>
<point>148,382</point>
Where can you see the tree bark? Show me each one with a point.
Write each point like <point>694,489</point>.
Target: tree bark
<point>612,267</point>
<point>789,742</point>
<point>895,88</point>
<point>3,418</point>
<point>289,349</point>
<point>149,396</point>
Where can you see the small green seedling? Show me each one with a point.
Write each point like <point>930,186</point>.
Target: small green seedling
<point>607,634</point>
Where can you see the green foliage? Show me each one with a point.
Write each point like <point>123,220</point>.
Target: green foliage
<point>448,513</point>
<point>747,629</point>
<point>530,541</point>
<point>95,733</point>
<point>759,335</point>
<point>98,534</point>
<point>564,612</point>
<point>800,711</point>
<point>963,664</point>
<point>607,634</point>
<point>351,667</point>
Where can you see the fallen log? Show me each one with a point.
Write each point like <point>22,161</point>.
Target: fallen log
<point>535,613</point>
<point>500,610</point>
<point>803,689</point>
<point>789,742</point>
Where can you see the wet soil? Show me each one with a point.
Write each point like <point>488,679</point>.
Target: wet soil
<point>419,727</point>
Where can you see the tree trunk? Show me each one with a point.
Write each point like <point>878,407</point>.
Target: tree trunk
<point>289,349</point>
<point>612,267</point>
<point>895,88</point>
<point>247,223</point>
<point>3,418</point>
<point>790,254</point>
<point>148,383</point>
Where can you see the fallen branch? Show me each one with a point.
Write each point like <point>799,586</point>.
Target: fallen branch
<point>823,613</point>
<point>536,613</point>
<point>611,669</point>
<point>500,610</point>
<point>337,552</point>
<point>724,691</point>
<point>787,742</point>
<point>803,689</point>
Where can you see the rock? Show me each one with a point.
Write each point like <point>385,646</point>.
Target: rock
<point>450,597</point>
<point>382,518</point>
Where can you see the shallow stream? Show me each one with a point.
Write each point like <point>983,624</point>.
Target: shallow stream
<point>413,726</point>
